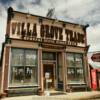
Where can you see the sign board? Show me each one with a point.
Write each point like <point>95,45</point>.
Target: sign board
<point>47,75</point>
<point>44,30</point>
<point>49,80</point>
<point>29,31</point>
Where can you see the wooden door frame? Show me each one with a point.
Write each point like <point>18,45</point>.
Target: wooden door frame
<point>53,65</point>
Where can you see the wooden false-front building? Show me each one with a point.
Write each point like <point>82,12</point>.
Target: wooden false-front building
<point>39,50</point>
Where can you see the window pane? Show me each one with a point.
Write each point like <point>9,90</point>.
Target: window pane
<point>79,75</point>
<point>70,60</point>
<point>71,75</point>
<point>17,75</point>
<point>17,57</point>
<point>31,57</point>
<point>30,75</point>
<point>78,60</point>
<point>48,56</point>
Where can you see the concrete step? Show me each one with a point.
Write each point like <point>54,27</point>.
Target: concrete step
<point>53,93</point>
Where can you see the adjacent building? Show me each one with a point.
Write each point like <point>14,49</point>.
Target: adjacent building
<point>41,53</point>
<point>94,64</point>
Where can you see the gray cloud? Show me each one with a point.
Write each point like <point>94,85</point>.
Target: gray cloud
<point>5,1</point>
<point>36,2</point>
<point>2,10</point>
<point>93,37</point>
<point>77,11</point>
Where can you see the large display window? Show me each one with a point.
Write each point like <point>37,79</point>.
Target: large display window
<point>23,67</point>
<point>75,70</point>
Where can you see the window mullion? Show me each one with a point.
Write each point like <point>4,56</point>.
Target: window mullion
<point>74,65</point>
<point>24,63</point>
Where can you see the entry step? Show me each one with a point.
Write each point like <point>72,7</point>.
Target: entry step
<point>52,93</point>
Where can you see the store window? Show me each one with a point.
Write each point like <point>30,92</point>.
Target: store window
<point>75,70</point>
<point>23,67</point>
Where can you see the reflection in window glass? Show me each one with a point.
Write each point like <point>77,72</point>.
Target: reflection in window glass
<point>71,73</point>
<point>70,60</point>
<point>17,57</point>
<point>23,67</point>
<point>31,57</point>
<point>17,75</point>
<point>80,75</point>
<point>30,75</point>
<point>78,60</point>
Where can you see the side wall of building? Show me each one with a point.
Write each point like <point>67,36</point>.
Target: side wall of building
<point>0,77</point>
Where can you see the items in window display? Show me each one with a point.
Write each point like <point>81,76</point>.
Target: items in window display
<point>23,75</point>
<point>79,71</point>
<point>18,73</point>
<point>28,73</point>
<point>70,71</point>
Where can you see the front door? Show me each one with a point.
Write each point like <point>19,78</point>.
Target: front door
<point>48,76</point>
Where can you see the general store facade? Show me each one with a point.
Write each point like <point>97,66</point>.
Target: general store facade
<point>37,48</point>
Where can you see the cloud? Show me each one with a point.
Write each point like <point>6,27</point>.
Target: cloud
<point>77,11</point>
<point>5,1</point>
<point>93,37</point>
<point>2,24</point>
<point>2,11</point>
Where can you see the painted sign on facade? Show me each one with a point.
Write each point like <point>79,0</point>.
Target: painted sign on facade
<point>32,30</point>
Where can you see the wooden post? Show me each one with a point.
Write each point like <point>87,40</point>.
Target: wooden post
<point>64,71</point>
<point>40,69</point>
<point>6,68</point>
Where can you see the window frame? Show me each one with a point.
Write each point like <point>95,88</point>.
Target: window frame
<point>35,67</point>
<point>75,68</point>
